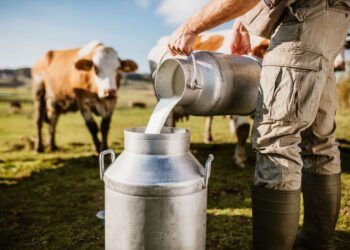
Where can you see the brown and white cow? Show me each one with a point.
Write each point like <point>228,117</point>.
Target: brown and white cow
<point>219,41</point>
<point>84,79</point>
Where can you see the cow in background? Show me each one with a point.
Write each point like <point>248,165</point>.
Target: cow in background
<point>339,63</point>
<point>84,79</point>
<point>218,41</point>
<point>343,77</point>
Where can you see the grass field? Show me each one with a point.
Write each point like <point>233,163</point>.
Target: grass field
<point>49,201</point>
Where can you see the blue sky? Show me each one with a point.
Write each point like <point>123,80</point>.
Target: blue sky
<point>31,27</point>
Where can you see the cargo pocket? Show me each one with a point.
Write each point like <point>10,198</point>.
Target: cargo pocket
<point>287,32</point>
<point>292,94</point>
<point>291,25</point>
<point>339,6</point>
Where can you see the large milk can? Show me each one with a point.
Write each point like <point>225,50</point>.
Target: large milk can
<point>210,83</point>
<point>155,193</point>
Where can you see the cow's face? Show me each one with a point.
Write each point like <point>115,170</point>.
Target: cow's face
<point>105,62</point>
<point>102,68</point>
<point>105,68</point>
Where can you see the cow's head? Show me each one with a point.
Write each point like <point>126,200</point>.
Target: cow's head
<point>104,66</point>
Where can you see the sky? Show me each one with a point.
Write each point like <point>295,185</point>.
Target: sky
<point>29,28</point>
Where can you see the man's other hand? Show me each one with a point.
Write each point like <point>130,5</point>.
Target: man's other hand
<point>181,41</point>
<point>241,40</point>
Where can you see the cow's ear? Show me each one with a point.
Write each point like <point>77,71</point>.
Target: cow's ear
<point>128,66</point>
<point>84,64</point>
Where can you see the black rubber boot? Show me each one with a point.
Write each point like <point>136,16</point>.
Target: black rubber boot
<point>275,218</point>
<point>321,195</point>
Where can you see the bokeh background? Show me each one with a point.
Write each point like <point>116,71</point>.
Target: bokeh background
<point>49,201</point>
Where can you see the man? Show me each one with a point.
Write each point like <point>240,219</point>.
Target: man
<point>294,129</point>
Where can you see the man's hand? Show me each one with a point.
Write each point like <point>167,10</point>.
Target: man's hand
<point>210,16</point>
<point>241,40</point>
<point>181,41</point>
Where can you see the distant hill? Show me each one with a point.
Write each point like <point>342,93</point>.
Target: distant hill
<point>14,77</point>
<point>19,77</point>
<point>24,72</point>
<point>138,77</point>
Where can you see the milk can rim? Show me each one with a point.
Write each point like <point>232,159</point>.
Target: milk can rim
<point>163,64</point>
<point>166,134</point>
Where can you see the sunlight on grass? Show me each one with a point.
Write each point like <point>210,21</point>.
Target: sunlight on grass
<point>51,199</point>
<point>231,212</point>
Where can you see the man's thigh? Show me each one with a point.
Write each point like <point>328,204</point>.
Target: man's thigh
<point>287,105</point>
<point>288,95</point>
<point>320,149</point>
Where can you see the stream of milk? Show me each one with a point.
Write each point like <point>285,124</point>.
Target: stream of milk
<point>160,114</point>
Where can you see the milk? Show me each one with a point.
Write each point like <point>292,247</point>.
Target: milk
<point>160,114</point>
<point>170,93</point>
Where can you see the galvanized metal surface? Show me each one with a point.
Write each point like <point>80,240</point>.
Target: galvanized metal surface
<point>155,193</point>
<point>136,222</point>
<point>211,83</point>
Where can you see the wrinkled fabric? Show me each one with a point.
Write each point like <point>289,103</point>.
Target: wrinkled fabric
<point>294,126</point>
<point>264,17</point>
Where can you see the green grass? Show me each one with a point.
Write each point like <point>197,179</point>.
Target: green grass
<point>49,201</point>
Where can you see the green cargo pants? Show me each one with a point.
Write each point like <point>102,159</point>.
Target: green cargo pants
<point>294,127</point>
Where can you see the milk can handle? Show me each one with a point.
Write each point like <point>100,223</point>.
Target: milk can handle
<point>102,163</point>
<point>207,170</point>
<point>193,84</point>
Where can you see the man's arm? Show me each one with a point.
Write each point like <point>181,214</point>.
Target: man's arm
<point>213,14</point>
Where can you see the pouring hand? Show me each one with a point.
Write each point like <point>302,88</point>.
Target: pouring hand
<point>241,40</point>
<point>181,41</point>
<point>210,16</point>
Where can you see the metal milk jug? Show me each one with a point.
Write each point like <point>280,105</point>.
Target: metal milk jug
<point>210,83</point>
<point>155,193</point>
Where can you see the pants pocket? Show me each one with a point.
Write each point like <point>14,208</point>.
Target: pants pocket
<point>281,102</point>
<point>290,95</point>
<point>289,30</point>
<point>307,96</point>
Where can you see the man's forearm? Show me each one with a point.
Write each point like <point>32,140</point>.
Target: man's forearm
<point>218,12</point>
<point>214,14</point>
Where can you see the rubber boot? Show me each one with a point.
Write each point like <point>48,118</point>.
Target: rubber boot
<point>275,218</point>
<point>321,195</point>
